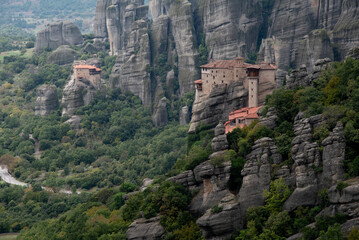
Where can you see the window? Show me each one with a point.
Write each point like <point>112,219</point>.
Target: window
<point>224,76</point>
<point>252,89</point>
<point>236,75</point>
<point>252,96</point>
<point>222,81</point>
<point>212,71</point>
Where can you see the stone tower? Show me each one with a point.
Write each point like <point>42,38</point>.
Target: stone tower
<point>253,91</point>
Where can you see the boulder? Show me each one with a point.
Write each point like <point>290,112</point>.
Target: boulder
<point>47,100</point>
<point>146,229</point>
<point>90,48</point>
<point>74,121</point>
<point>63,55</point>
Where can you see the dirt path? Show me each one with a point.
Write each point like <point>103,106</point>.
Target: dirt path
<point>37,153</point>
<point>6,177</point>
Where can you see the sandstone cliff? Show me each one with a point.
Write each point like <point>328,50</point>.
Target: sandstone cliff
<point>57,34</point>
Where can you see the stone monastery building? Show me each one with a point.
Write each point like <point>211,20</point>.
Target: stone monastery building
<point>83,71</point>
<point>257,79</point>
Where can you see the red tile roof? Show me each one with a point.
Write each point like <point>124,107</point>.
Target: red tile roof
<point>198,81</point>
<point>244,113</point>
<point>87,67</point>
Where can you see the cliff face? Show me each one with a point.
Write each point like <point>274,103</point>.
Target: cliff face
<point>231,28</point>
<point>57,34</point>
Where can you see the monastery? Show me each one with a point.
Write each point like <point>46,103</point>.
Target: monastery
<point>83,71</point>
<point>259,80</point>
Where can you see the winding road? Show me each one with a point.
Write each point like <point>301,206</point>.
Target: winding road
<point>6,177</point>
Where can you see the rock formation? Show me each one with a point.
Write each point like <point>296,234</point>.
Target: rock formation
<point>63,55</point>
<point>302,77</point>
<point>270,119</point>
<point>146,229</point>
<point>57,34</point>
<point>127,28</point>
<point>217,106</point>
<point>307,160</point>
<point>334,156</point>
<point>47,100</point>
<point>219,142</point>
<point>257,173</point>
<point>160,117</point>
<point>184,116</point>
<point>79,92</point>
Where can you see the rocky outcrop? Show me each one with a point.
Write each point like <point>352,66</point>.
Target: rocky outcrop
<point>145,229</point>
<point>270,119</point>
<point>307,162</point>
<point>221,223</point>
<point>175,19</point>
<point>217,106</point>
<point>302,77</point>
<point>184,116</point>
<point>334,156</point>
<point>257,173</point>
<point>47,100</point>
<point>127,28</point>
<point>57,34</point>
<point>79,92</point>
<point>74,121</point>
<point>63,55</point>
<point>219,142</point>
<point>354,53</point>
<point>100,28</point>
<point>160,117</point>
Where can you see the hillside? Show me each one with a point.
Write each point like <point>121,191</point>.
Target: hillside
<point>32,15</point>
<point>98,125</point>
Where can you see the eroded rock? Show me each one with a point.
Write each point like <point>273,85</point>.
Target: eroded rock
<point>145,229</point>
<point>58,34</point>
<point>47,100</point>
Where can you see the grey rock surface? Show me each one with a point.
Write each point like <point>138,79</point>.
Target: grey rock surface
<point>211,109</point>
<point>47,100</point>
<point>219,142</point>
<point>257,173</point>
<point>63,55</point>
<point>127,29</point>
<point>307,159</point>
<point>160,117</point>
<point>221,225</point>
<point>75,121</point>
<point>58,34</point>
<point>184,117</point>
<point>334,156</point>
<point>270,119</point>
<point>145,229</point>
